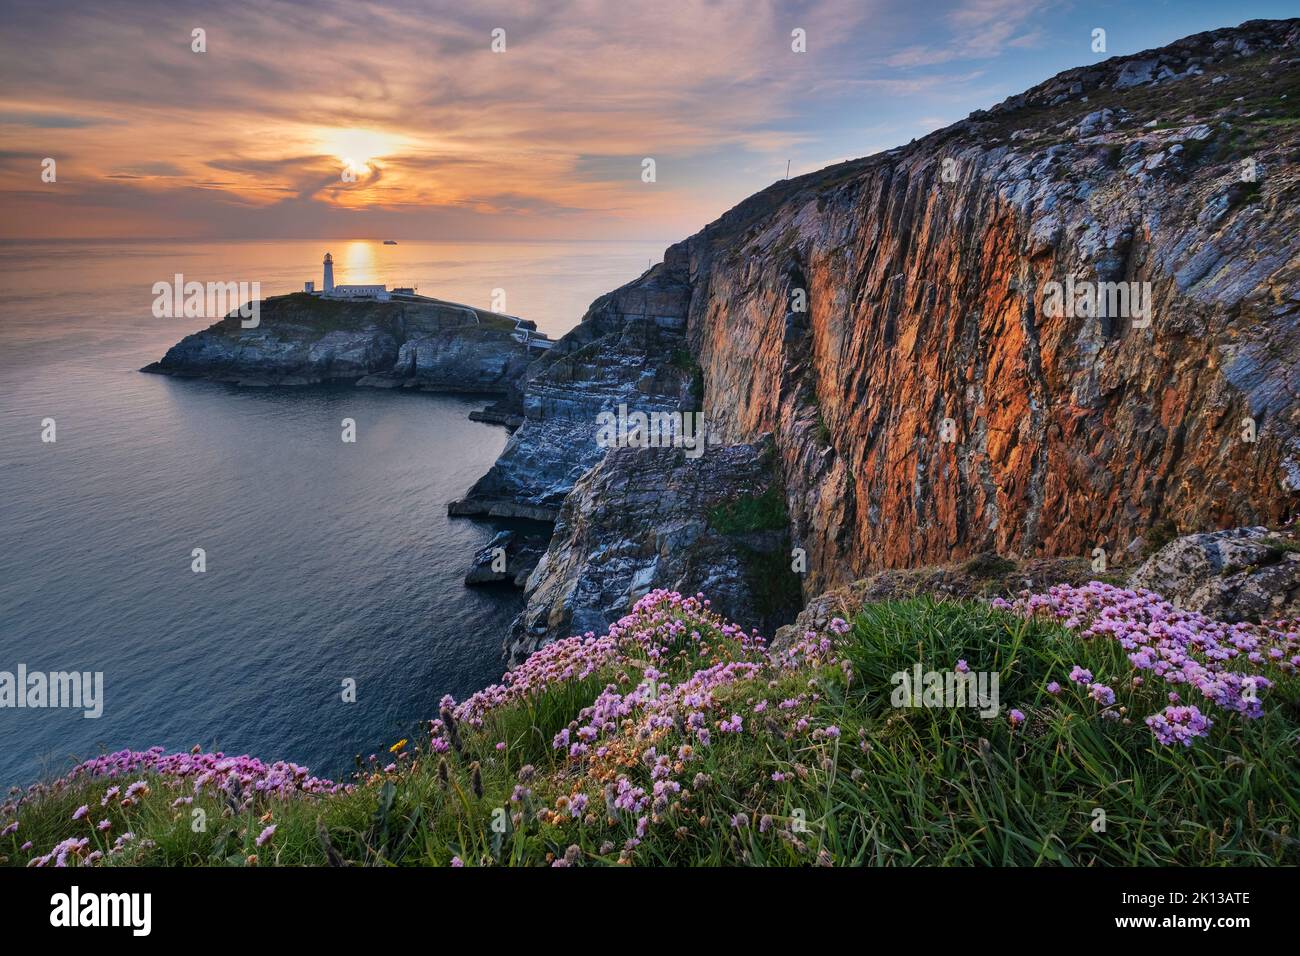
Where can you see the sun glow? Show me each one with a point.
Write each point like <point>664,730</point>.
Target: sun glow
<point>358,148</point>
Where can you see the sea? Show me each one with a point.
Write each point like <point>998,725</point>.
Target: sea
<point>330,615</point>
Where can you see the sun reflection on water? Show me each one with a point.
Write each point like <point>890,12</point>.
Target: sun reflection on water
<point>355,265</point>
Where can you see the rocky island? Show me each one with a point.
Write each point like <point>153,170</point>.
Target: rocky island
<point>407,342</point>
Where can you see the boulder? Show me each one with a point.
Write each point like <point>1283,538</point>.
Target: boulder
<point>1245,574</point>
<point>521,552</point>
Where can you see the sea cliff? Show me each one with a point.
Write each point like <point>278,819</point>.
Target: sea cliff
<point>891,397</point>
<point>897,326</point>
<point>1066,326</point>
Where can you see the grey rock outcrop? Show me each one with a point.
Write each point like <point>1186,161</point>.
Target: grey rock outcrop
<point>629,349</point>
<point>521,552</point>
<point>1243,574</point>
<point>1155,69</point>
<point>648,518</point>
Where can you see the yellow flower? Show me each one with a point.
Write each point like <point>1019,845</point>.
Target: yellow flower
<point>397,746</point>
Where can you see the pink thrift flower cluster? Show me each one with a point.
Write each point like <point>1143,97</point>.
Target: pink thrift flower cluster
<point>663,625</point>
<point>206,771</point>
<point>1179,725</point>
<point>77,851</point>
<point>242,778</point>
<point>1225,663</point>
<point>570,659</point>
<point>245,777</point>
<point>680,674</point>
<point>660,625</point>
<point>646,716</point>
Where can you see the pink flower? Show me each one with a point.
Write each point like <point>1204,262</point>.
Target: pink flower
<point>1188,652</point>
<point>1101,694</point>
<point>1179,725</point>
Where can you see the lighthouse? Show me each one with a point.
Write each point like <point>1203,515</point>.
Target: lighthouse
<point>378,293</point>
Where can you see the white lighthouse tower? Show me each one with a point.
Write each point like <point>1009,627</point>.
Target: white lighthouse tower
<point>329,274</point>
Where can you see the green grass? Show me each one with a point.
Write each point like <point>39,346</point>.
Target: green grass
<point>761,512</point>
<point>318,313</point>
<point>824,436</point>
<point>897,787</point>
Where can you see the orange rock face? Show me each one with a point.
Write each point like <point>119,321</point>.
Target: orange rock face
<point>934,400</point>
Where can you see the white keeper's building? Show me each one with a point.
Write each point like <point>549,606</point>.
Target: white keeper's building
<point>331,291</point>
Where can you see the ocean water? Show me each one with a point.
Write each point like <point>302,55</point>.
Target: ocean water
<point>325,561</point>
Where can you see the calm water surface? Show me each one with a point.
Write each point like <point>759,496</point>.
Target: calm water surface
<point>325,560</point>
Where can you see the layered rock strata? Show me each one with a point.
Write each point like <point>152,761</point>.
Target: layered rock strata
<point>1042,331</point>
<point>630,350</point>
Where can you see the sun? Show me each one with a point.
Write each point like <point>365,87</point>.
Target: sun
<point>358,148</point>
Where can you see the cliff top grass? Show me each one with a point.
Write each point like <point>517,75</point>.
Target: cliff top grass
<point>678,739</point>
<point>318,313</point>
<point>1253,93</point>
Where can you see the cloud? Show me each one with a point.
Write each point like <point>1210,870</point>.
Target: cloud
<point>579,79</point>
<point>545,138</point>
<point>978,29</point>
<point>49,120</point>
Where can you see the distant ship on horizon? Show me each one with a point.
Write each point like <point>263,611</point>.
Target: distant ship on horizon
<point>390,242</point>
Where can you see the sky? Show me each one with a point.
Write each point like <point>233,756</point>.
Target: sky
<point>344,119</point>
